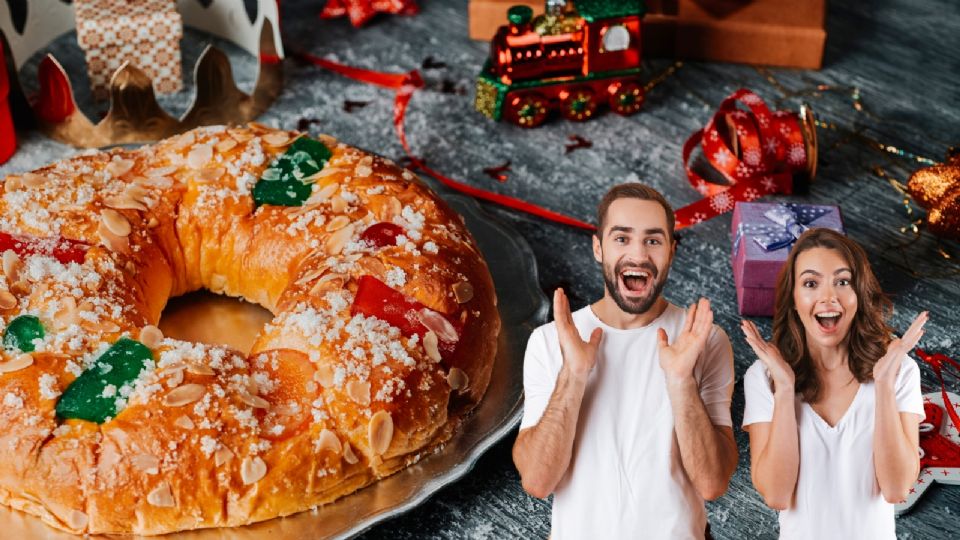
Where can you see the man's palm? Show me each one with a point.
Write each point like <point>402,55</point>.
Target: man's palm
<point>578,355</point>
<point>679,358</point>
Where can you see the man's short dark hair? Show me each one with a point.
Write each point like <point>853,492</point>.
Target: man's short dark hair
<point>633,190</point>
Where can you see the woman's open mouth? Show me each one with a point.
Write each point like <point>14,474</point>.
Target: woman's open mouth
<point>828,321</point>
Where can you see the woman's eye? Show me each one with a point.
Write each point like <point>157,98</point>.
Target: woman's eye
<point>843,282</point>
<point>809,283</point>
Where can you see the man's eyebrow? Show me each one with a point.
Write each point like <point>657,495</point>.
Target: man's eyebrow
<point>620,228</point>
<point>655,230</point>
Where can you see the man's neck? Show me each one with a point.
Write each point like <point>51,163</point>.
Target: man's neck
<point>607,310</point>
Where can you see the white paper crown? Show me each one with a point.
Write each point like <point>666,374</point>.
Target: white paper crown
<point>134,115</point>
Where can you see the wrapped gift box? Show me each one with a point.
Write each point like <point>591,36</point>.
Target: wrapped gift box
<point>786,33</point>
<point>144,32</point>
<point>763,235</point>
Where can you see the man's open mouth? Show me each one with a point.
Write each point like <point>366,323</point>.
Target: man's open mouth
<point>636,281</point>
<point>828,320</point>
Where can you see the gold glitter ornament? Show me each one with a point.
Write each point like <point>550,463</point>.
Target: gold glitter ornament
<point>937,189</point>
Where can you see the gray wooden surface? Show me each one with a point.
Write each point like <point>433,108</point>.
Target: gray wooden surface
<point>904,56</point>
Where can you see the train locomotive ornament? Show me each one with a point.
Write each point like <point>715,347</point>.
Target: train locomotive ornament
<point>576,56</point>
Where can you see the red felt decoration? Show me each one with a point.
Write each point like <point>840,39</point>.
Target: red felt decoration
<point>361,11</point>
<point>8,137</point>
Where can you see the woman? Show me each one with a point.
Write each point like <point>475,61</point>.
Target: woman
<point>834,402</point>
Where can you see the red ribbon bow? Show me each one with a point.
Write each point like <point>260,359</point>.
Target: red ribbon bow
<point>767,149</point>
<point>937,361</point>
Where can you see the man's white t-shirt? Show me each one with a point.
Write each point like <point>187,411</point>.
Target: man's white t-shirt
<point>625,478</point>
<point>837,494</point>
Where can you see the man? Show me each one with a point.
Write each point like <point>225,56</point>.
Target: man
<point>627,401</point>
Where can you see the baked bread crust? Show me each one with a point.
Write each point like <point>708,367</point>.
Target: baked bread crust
<point>326,402</point>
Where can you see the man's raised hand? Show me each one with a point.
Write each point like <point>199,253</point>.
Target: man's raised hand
<point>579,356</point>
<point>678,359</point>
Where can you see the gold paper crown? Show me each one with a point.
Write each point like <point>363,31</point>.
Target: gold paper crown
<point>134,115</point>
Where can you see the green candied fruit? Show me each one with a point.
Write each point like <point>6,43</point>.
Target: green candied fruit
<point>282,183</point>
<point>21,332</point>
<point>93,395</point>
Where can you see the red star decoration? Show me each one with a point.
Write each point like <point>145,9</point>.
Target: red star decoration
<point>361,11</point>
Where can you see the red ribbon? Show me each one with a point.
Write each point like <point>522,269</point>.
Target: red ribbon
<point>769,148</point>
<point>404,86</point>
<point>937,361</point>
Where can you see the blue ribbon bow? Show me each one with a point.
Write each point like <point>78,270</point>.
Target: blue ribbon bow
<point>789,220</point>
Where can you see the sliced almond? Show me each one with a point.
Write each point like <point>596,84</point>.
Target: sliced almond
<point>431,345</point>
<point>119,167</point>
<point>359,392</point>
<point>11,265</point>
<point>33,180</point>
<point>348,454</point>
<point>338,240</point>
<point>373,266</point>
<point>323,193</point>
<point>226,145</point>
<point>7,300</point>
<point>210,174</point>
<point>257,127</point>
<point>329,282</point>
<point>323,173</point>
<point>146,463</point>
<point>328,441</point>
<point>393,209</point>
<point>184,140</point>
<point>222,456</point>
<point>175,378</point>
<point>312,275</point>
<point>439,324</point>
<point>184,395</point>
<point>13,183</point>
<point>161,496</point>
<point>241,135</point>
<point>77,520</point>
<point>115,222</point>
<point>151,336</point>
<point>337,223</point>
<point>256,402</point>
<point>324,375</point>
<point>160,182</point>
<point>463,292</point>
<point>118,244</point>
<point>184,422</point>
<point>328,140</point>
<point>199,156</point>
<point>380,432</point>
<point>458,379</point>
<point>161,171</point>
<point>338,204</point>
<point>22,361</point>
<point>124,202</point>
<point>252,469</point>
<point>200,369</point>
<point>277,138</point>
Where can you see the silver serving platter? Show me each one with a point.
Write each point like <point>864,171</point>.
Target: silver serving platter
<point>523,307</point>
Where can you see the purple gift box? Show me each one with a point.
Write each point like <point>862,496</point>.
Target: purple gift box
<point>763,234</point>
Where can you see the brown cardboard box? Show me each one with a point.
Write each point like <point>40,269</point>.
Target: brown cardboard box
<point>787,33</point>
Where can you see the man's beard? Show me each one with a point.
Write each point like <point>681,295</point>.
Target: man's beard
<point>634,306</point>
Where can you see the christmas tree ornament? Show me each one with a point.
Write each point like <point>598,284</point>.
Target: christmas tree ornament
<point>576,57</point>
<point>939,447</point>
<point>937,188</point>
<point>757,151</point>
<point>361,11</point>
<point>134,115</point>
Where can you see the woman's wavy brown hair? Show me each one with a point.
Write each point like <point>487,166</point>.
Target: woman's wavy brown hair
<point>869,333</point>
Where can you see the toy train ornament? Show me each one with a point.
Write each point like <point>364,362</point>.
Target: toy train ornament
<point>576,56</point>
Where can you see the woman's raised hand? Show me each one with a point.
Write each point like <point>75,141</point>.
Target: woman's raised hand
<point>778,368</point>
<point>886,369</point>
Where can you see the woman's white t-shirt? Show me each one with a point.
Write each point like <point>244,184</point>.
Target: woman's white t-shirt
<point>837,495</point>
<point>626,479</point>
